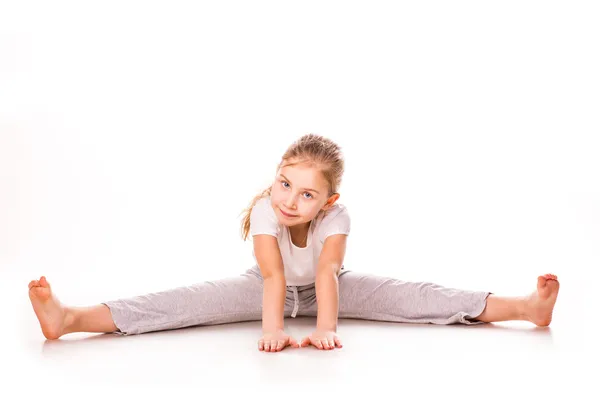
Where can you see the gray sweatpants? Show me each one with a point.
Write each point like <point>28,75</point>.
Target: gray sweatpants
<point>239,298</point>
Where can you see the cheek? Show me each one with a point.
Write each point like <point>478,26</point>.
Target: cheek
<point>276,191</point>
<point>315,211</point>
<point>275,197</point>
<point>278,196</point>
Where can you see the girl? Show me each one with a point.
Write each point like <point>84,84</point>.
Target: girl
<point>299,240</point>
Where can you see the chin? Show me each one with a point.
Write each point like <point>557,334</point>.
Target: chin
<point>290,223</point>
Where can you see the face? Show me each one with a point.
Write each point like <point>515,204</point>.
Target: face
<point>300,191</point>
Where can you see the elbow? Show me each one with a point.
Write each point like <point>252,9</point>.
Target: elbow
<point>327,274</point>
<point>330,269</point>
<point>276,277</point>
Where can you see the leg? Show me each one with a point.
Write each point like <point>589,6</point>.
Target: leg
<point>220,301</point>
<point>378,298</point>
<point>371,297</point>
<point>95,318</point>
<point>56,319</point>
<point>504,309</point>
<point>536,308</point>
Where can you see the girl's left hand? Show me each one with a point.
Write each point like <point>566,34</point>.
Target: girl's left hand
<point>322,339</point>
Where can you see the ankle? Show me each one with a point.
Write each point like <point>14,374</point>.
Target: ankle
<point>524,308</point>
<point>70,320</point>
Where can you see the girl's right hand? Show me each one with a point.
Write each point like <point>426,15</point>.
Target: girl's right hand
<point>276,341</point>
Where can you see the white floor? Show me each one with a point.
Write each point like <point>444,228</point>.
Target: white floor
<point>131,139</point>
<point>502,359</point>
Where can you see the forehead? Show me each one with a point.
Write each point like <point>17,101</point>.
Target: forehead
<point>303,175</point>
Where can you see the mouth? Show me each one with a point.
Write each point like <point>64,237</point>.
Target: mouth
<point>286,214</point>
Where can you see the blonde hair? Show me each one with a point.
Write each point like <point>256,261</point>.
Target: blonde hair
<point>314,151</point>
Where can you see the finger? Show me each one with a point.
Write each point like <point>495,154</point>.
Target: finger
<point>293,342</point>
<point>329,343</point>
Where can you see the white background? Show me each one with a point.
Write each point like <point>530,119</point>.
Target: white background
<point>133,135</point>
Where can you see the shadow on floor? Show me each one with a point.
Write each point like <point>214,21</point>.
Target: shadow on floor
<point>73,341</point>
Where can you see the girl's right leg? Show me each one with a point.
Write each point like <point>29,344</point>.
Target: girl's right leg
<point>226,300</point>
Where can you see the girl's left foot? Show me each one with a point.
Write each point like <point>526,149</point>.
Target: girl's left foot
<point>541,302</point>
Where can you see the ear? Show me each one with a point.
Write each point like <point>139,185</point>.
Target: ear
<point>331,201</point>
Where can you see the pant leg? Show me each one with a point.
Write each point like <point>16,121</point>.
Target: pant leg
<point>232,299</point>
<point>380,298</point>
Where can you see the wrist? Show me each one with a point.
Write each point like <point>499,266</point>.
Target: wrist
<point>267,328</point>
<point>327,327</point>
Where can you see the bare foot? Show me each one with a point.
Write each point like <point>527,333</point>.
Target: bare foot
<point>541,302</point>
<point>48,309</point>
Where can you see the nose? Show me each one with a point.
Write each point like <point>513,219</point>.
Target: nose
<point>289,203</point>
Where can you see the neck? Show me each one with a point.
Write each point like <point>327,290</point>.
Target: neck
<point>300,228</point>
<point>299,232</point>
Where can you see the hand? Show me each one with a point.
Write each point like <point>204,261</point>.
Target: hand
<point>322,339</point>
<point>276,341</point>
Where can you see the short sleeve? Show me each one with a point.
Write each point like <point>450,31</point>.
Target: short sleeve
<point>263,219</point>
<point>335,223</point>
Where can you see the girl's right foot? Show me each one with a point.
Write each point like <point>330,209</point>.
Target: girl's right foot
<point>52,315</point>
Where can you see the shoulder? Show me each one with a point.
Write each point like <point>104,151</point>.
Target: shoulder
<point>337,211</point>
<point>263,218</point>
<point>262,203</point>
<point>335,220</point>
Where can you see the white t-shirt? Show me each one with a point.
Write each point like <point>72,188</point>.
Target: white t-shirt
<point>300,263</point>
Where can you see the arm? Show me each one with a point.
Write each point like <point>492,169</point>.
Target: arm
<point>326,283</point>
<point>327,290</point>
<point>273,303</point>
<point>270,263</point>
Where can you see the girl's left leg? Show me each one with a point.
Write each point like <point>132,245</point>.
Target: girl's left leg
<point>536,308</point>
<point>381,298</point>
<point>372,297</point>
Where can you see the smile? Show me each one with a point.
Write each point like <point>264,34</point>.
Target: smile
<point>287,215</point>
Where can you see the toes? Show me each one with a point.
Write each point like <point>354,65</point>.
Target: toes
<point>44,282</point>
<point>541,281</point>
<point>548,276</point>
<point>31,284</point>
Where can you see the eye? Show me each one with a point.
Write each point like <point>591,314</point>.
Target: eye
<point>285,183</point>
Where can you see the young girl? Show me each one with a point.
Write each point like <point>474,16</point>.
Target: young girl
<point>299,238</point>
